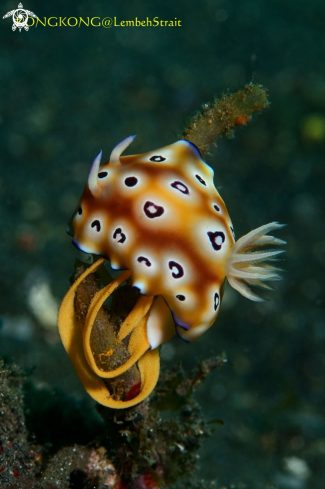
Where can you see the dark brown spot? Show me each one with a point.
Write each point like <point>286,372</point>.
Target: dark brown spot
<point>180,186</point>
<point>157,158</point>
<point>217,208</point>
<point>152,210</point>
<point>179,269</point>
<point>130,181</point>
<point>217,239</point>
<point>96,224</point>
<point>119,236</point>
<point>216,301</point>
<point>201,180</point>
<point>102,174</point>
<point>180,297</point>
<point>144,260</point>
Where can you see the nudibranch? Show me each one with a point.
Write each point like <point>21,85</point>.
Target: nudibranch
<point>159,219</point>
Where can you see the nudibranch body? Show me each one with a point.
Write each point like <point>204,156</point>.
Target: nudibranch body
<point>159,216</point>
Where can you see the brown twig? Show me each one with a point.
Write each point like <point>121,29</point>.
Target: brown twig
<point>222,115</point>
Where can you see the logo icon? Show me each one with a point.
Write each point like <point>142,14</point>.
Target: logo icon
<point>20,17</point>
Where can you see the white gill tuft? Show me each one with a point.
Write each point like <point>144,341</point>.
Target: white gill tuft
<point>246,264</point>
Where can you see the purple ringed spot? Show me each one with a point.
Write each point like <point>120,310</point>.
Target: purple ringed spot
<point>130,181</point>
<point>179,272</point>
<point>143,259</point>
<point>180,186</point>
<point>180,297</point>
<point>201,180</point>
<point>152,210</point>
<point>119,236</point>
<point>217,208</point>
<point>157,158</point>
<point>217,239</point>
<point>96,224</point>
<point>216,301</point>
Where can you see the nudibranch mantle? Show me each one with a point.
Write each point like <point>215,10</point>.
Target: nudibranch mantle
<point>158,217</point>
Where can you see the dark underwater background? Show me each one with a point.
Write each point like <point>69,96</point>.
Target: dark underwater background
<point>67,92</point>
